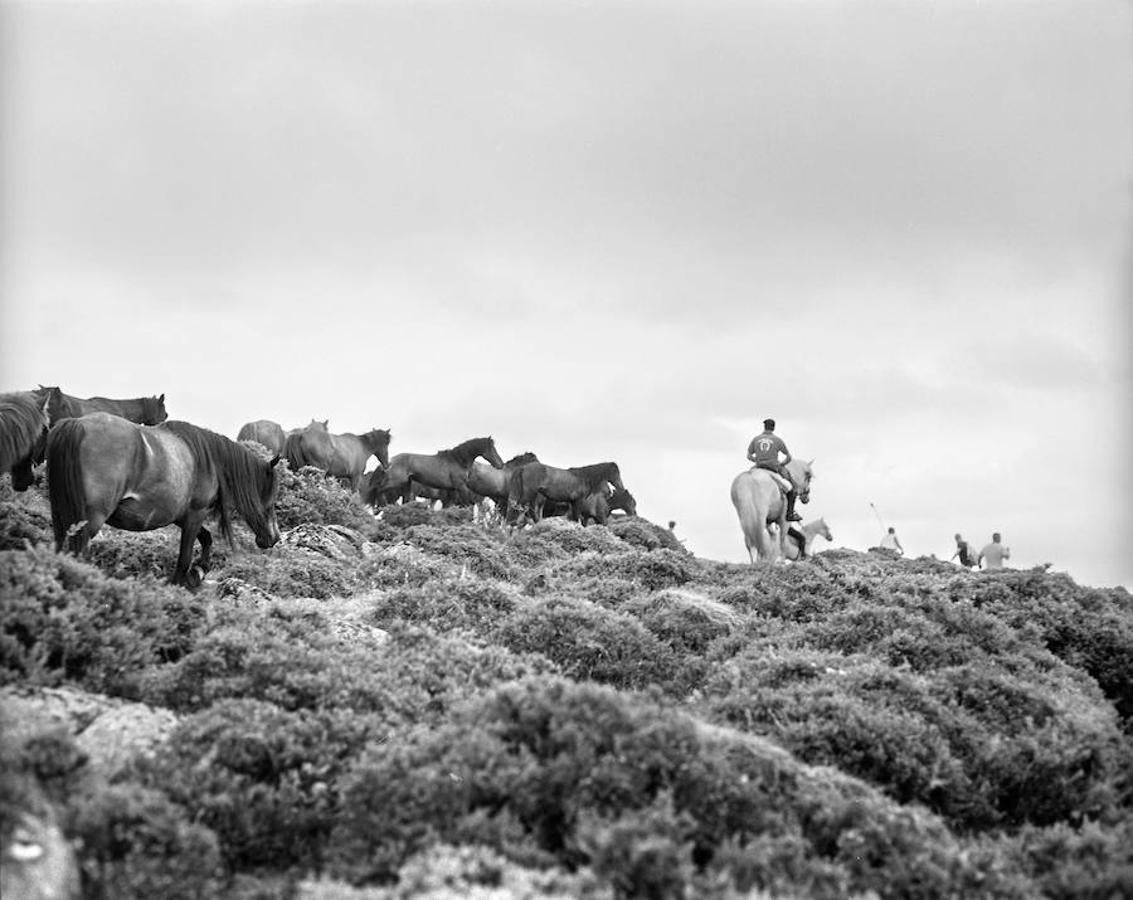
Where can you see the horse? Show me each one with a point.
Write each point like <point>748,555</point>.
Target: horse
<point>142,410</point>
<point>444,470</point>
<point>533,484</point>
<point>24,421</point>
<point>490,482</point>
<point>595,507</point>
<point>302,445</point>
<point>266,432</point>
<point>102,469</point>
<point>351,451</point>
<point>759,502</point>
<point>801,539</point>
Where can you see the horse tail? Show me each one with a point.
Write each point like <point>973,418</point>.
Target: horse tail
<point>65,481</point>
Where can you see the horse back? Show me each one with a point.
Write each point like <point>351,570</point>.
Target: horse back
<point>488,480</point>
<point>136,459</point>
<point>265,432</point>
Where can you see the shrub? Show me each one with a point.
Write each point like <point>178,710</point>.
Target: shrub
<point>1066,862</point>
<point>295,574</point>
<point>298,665</point>
<point>468,544</point>
<point>25,519</point>
<point>310,497</point>
<point>590,643</point>
<point>687,621</point>
<point>63,619</point>
<point>262,778</point>
<point>1088,628</point>
<point>975,744</point>
<point>652,570</point>
<point>644,534</point>
<point>137,843</point>
<point>576,774</point>
<point>461,604</point>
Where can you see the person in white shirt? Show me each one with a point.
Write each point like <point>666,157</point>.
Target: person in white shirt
<point>994,553</point>
<point>890,542</point>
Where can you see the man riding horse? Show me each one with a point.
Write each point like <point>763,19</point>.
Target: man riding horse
<point>764,451</point>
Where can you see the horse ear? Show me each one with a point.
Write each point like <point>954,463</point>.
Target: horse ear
<point>161,399</point>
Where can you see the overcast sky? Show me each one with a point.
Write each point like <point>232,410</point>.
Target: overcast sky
<point>606,230</point>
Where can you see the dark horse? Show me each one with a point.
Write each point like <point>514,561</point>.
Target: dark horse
<point>104,469</point>
<point>23,434</point>
<point>143,410</point>
<point>595,507</point>
<point>445,470</point>
<point>534,484</point>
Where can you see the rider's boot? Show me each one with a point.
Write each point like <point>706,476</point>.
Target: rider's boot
<point>792,516</point>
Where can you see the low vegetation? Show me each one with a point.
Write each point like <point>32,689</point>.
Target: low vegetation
<point>417,705</point>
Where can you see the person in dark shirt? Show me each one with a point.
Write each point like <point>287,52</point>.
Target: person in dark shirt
<point>765,450</point>
<point>967,558</point>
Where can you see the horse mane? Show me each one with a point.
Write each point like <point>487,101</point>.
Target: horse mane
<point>467,451</point>
<point>24,423</point>
<point>598,474</point>
<point>242,476</point>
<point>522,459</point>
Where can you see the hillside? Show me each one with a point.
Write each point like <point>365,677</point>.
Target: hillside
<point>418,705</point>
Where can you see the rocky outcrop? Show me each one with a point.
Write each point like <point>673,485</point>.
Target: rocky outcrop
<point>110,732</point>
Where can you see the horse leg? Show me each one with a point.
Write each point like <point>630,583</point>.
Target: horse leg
<point>78,542</point>
<point>204,537</point>
<point>190,527</point>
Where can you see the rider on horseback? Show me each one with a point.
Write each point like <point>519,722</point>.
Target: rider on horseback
<point>764,451</point>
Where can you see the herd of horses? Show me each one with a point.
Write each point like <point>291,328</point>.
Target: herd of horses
<point>125,464</point>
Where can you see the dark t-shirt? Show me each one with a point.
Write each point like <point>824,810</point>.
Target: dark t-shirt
<point>966,557</point>
<point>766,448</point>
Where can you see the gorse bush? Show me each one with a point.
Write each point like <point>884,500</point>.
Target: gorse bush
<point>62,619</point>
<point>973,743</point>
<point>590,643</point>
<point>310,497</point>
<point>581,775</point>
<point>444,605</point>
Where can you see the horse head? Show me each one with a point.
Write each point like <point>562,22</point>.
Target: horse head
<point>802,473</point>
<point>521,460</point>
<point>54,402</point>
<point>377,440</point>
<point>264,526</point>
<point>153,410</point>
<point>487,449</point>
<point>824,530</point>
<point>623,499</point>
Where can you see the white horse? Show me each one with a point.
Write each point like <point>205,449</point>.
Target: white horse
<point>809,531</point>
<point>760,500</point>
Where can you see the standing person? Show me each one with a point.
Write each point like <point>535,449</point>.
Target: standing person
<point>994,553</point>
<point>891,542</point>
<point>764,451</point>
<point>964,551</point>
